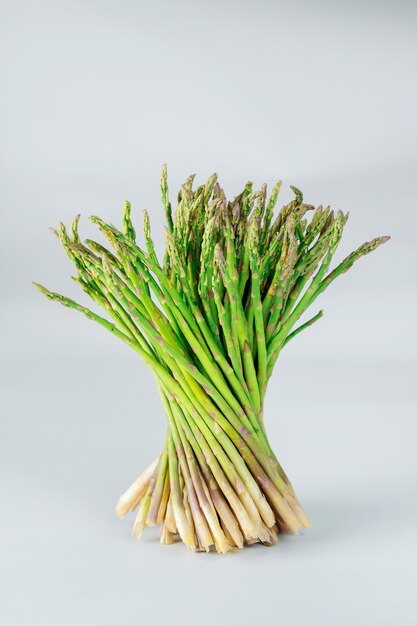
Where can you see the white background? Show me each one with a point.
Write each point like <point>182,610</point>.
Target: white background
<point>95,97</point>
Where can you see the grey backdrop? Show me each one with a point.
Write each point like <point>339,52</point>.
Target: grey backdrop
<point>95,97</point>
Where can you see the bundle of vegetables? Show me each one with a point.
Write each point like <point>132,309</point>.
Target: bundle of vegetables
<point>210,322</point>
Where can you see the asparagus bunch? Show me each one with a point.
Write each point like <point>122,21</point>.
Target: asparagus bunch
<point>210,321</point>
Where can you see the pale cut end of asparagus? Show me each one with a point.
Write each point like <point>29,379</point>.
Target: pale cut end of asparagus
<point>223,545</point>
<point>270,536</point>
<point>132,496</point>
<point>140,521</point>
<point>170,522</point>
<point>184,529</point>
<point>167,537</point>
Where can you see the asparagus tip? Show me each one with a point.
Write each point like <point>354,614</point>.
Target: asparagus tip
<point>42,289</point>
